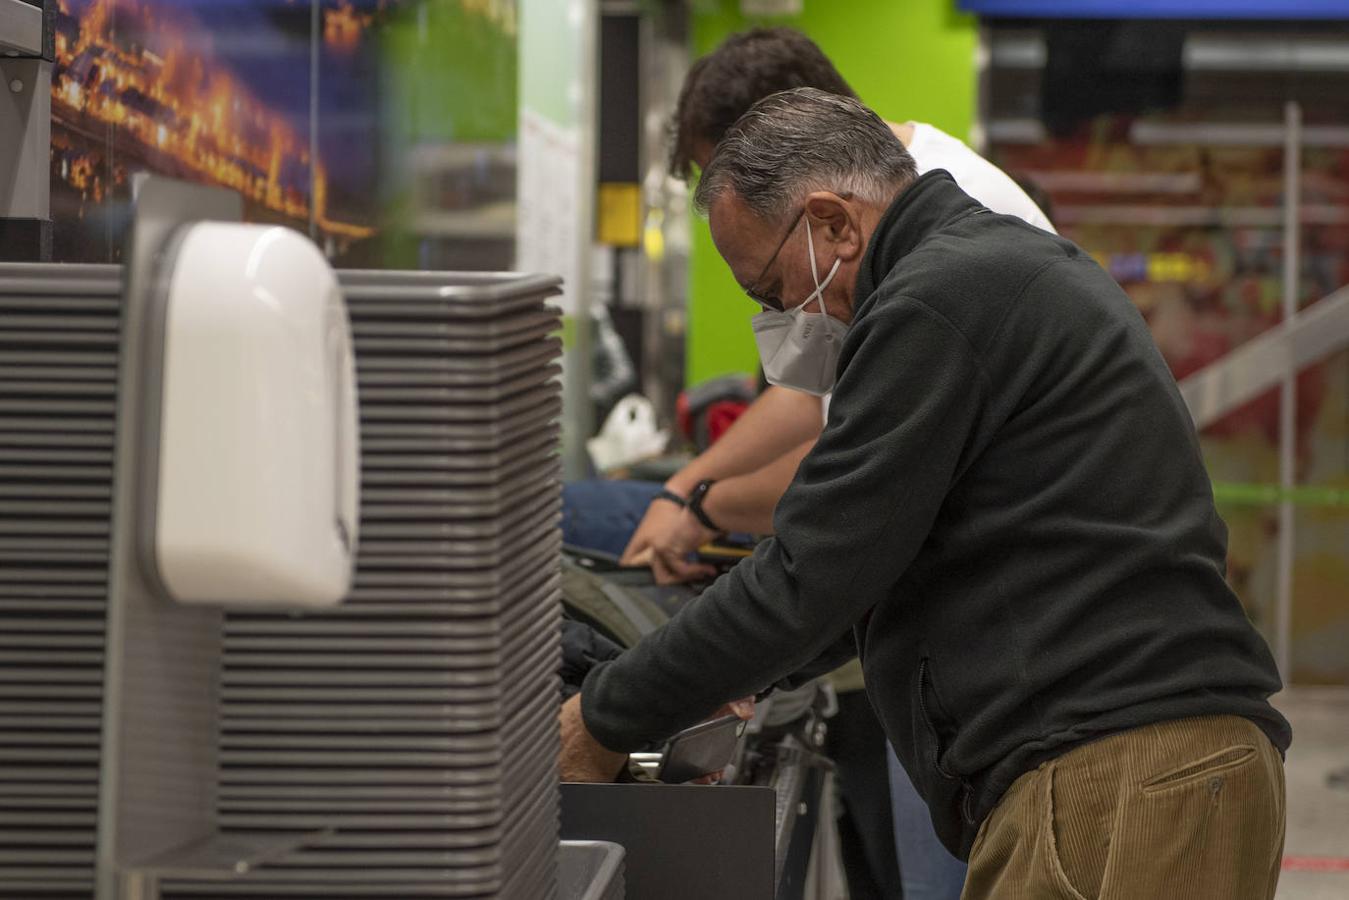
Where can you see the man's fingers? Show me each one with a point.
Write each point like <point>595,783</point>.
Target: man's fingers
<point>641,538</point>
<point>683,569</point>
<point>656,521</point>
<point>636,547</point>
<point>661,570</point>
<point>641,558</point>
<point>698,572</point>
<point>742,708</point>
<point>671,568</point>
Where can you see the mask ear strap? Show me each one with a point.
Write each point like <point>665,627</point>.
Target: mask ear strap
<point>833,270</point>
<point>815,271</point>
<point>810,244</point>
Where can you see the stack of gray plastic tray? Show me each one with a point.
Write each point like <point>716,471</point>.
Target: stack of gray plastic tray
<point>58,386</point>
<point>414,727</point>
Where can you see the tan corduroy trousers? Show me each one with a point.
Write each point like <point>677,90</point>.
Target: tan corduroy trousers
<point>1191,809</point>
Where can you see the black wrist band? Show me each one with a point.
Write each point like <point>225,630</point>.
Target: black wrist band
<point>695,505</point>
<point>671,496</point>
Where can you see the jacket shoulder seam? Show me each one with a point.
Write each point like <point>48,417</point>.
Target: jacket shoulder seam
<point>970,349</point>
<point>1021,292</point>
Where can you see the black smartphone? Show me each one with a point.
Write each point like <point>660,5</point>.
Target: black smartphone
<point>701,750</point>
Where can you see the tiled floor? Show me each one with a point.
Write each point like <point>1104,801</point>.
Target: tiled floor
<point>1316,853</point>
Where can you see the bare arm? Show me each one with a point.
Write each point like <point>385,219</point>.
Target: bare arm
<point>746,502</point>
<point>741,503</point>
<point>775,423</point>
<point>778,420</point>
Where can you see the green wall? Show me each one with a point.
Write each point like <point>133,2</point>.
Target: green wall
<point>450,76</point>
<point>907,59</point>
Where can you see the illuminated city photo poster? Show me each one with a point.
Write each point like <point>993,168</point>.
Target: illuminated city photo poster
<point>200,90</point>
<point>384,129</point>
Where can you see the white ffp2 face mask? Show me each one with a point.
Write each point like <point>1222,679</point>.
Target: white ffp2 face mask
<point>799,349</point>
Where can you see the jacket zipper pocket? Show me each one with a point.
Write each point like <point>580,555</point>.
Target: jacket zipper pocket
<point>967,802</point>
<point>923,684</point>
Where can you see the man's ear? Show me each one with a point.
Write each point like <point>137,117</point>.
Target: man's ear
<point>836,221</point>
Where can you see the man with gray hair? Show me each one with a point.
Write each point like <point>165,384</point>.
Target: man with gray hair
<point>1007,517</point>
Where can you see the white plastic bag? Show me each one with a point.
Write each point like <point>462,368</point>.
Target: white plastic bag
<point>628,436</point>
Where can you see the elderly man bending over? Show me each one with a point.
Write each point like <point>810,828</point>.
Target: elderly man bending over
<point>1006,516</point>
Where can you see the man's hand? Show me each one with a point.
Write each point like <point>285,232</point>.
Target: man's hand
<point>668,551</point>
<point>660,516</point>
<point>582,757</point>
<point>742,708</point>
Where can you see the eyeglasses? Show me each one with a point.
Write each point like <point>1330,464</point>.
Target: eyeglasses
<point>772,303</point>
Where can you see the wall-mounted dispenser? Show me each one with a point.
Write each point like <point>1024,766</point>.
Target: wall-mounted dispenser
<point>253,457</point>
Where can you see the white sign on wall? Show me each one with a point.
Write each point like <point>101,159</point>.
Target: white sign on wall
<point>556,183</point>
<point>549,233</point>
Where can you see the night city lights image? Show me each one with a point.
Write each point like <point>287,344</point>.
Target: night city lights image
<point>153,86</point>
<point>302,106</point>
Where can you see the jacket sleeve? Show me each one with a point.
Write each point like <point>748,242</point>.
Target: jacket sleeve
<point>905,409</point>
<point>842,651</point>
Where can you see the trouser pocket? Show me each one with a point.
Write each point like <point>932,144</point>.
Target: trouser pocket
<point>1206,828</point>
<point>1211,769</point>
<point>1199,820</point>
<point>1079,807</point>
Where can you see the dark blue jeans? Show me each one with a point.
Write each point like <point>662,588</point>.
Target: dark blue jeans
<point>927,869</point>
<point>602,515</point>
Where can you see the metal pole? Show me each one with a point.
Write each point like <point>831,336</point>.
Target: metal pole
<point>579,406</point>
<point>664,60</point>
<point>1292,203</point>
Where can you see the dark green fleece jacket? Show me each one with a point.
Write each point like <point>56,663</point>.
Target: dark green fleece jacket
<point>1008,511</point>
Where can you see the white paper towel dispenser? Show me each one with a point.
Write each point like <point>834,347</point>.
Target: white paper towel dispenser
<point>255,484</point>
